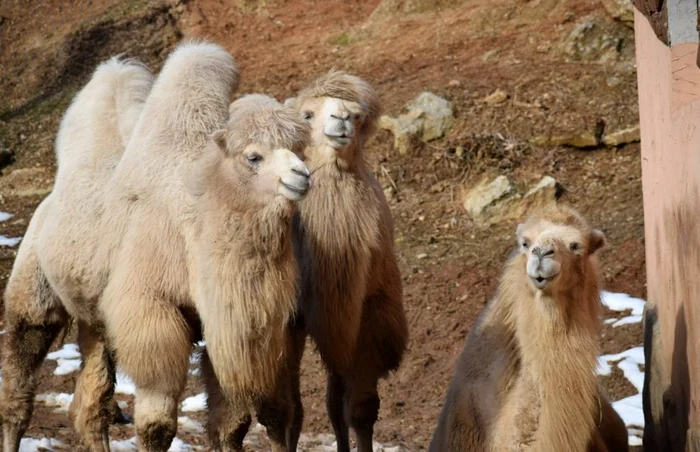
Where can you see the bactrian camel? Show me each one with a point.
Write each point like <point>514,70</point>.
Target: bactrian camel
<point>192,230</point>
<point>351,296</point>
<point>526,377</point>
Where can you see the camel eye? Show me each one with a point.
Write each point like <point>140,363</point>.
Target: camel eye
<point>254,159</point>
<point>308,116</point>
<point>574,246</point>
<point>525,243</point>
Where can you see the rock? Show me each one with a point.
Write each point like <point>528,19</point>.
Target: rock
<point>459,151</point>
<point>543,193</point>
<point>436,112</point>
<point>582,140</point>
<point>496,97</point>
<point>621,10</point>
<point>489,54</point>
<point>485,195</point>
<point>491,202</point>
<point>591,41</point>
<point>428,117</point>
<point>403,128</point>
<point>32,192</point>
<point>624,136</point>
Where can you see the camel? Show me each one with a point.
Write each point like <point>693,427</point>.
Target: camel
<point>111,102</point>
<point>526,377</point>
<point>191,232</point>
<point>351,294</point>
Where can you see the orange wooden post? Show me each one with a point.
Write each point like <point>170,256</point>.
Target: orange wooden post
<point>669,106</point>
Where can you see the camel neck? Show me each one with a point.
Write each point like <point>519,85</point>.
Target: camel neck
<point>324,156</point>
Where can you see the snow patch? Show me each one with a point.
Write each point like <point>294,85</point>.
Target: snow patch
<point>36,445</point>
<point>628,320</point>
<point>629,362</point>
<point>124,385</point>
<point>58,400</point>
<point>622,302</point>
<point>4,216</point>
<point>68,359</point>
<point>189,425</point>
<point>9,241</point>
<point>634,354</point>
<point>630,410</point>
<point>195,403</point>
<point>177,445</point>
<point>69,351</point>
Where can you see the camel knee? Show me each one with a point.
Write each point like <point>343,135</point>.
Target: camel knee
<point>156,419</point>
<point>275,416</point>
<point>364,412</point>
<point>156,435</point>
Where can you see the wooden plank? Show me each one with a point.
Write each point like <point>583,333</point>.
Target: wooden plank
<point>669,103</point>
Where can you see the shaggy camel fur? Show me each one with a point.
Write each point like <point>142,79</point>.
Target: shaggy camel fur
<point>103,113</point>
<point>195,224</point>
<point>526,377</point>
<point>351,295</point>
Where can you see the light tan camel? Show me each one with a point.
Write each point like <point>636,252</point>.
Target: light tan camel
<point>351,295</point>
<point>104,113</point>
<point>526,377</point>
<point>195,224</point>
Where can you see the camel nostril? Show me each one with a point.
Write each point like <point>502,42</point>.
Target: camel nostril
<point>542,252</point>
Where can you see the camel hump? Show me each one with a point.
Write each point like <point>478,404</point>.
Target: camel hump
<point>190,97</point>
<point>101,117</point>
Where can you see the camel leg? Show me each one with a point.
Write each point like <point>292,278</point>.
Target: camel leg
<point>298,342</point>
<point>91,406</point>
<point>362,405</point>
<point>33,319</point>
<point>152,342</point>
<point>335,396</point>
<point>227,422</point>
<point>283,413</point>
<point>26,346</point>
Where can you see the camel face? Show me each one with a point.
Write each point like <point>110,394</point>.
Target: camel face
<point>553,253</point>
<point>275,171</point>
<point>334,122</point>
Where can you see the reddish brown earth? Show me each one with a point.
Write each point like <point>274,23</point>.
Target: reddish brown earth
<point>463,52</point>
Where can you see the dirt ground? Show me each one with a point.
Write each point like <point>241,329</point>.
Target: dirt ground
<point>461,50</point>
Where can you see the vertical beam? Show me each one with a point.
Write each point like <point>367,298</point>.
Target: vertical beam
<point>669,104</point>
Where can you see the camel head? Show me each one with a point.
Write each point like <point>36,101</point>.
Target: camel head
<point>557,249</point>
<point>341,109</point>
<point>263,146</point>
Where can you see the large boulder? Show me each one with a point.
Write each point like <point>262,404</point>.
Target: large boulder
<point>621,10</point>
<point>492,201</point>
<point>594,40</point>
<point>428,117</point>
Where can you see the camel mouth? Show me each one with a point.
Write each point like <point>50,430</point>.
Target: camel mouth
<point>294,193</point>
<point>343,140</point>
<point>540,282</point>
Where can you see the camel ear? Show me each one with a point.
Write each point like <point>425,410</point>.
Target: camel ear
<point>596,241</point>
<point>219,138</point>
<point>520,230</point>
<point>289,102</point>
